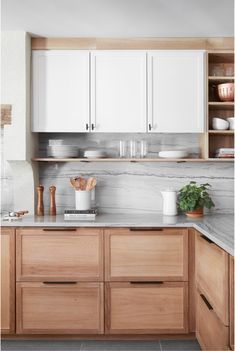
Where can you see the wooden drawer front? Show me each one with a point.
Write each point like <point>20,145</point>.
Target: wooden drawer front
<point>59,308</point>
<point>212,275</point>
<point>59,255</point>
<point>7,281</point>
<point>146,308</point>
<point>210,331</point>
<point>146,255</point>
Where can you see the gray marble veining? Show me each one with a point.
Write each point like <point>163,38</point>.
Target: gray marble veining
<point>217,227</point>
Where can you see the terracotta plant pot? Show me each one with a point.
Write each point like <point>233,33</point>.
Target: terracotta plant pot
<point>195,213</point>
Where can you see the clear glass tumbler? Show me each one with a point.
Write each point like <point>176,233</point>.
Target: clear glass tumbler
<point>133,148</point>
<point>122,149</point>
<point>143,148</point>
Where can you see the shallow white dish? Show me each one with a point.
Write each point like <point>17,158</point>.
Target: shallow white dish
<point>219,124</point>
<point>173,154</point>
<point>94,153</point>
<point>231,121</point>
<point>62,151</point>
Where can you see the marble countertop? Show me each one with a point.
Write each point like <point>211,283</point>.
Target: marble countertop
<point>217,227</point>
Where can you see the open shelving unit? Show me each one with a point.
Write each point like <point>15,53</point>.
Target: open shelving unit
<point>219,61</point>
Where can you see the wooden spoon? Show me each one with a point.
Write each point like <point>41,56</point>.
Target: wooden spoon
<point>91,183</point>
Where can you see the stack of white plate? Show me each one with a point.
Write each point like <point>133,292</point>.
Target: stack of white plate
<point>94,153</point>
<point>62,151</point>
<point>173,154</point>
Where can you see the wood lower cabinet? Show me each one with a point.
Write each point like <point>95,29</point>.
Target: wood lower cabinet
<point>211,333</point>
<point>231,302</point>
<point>64,308</point>
<point>7,280</point>
<point>138,254</point>
<point>212,273</point>
<point>46,254</point>
<point>142,308</point>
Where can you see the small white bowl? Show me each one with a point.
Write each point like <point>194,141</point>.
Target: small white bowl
<point>231,121</point>
<point>219,124</point>
<point>173,154</point>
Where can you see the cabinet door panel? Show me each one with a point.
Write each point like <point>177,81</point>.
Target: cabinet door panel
<point>43,254</point>
<point>176,88</point>
<point>146,255</point>
<point>118,91</point>
<point>59,308</point>
<point>210,331</point>
<point>146,308</point>
<point>60,91</point>
<point>7,281</point>
<point>212,275</point>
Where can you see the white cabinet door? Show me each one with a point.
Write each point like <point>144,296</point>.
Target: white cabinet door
<point>60,91</point>
<point>118,91</point>
<point>176,90</point>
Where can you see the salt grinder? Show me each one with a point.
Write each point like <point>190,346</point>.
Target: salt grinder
<point>40,206</point>
<point>52,211</point>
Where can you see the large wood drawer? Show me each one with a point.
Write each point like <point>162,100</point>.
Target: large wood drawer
<point>143,308</point>
<point>61,308</point>
<point>59,254</point>
<point>7,280</point>
<point>160,254</point>
<point>212,273</point>
<point>211,333</point>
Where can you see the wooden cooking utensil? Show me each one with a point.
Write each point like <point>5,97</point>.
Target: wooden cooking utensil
<point>52,211</point>
<point>91,183</point>
<point>74,183</point>
<point>40,205</point>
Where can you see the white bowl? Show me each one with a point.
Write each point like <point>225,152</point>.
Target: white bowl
<point>173,154</point>
<point>219,124</point>
<point>231,121</point>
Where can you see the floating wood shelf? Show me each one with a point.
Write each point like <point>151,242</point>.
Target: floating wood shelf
<point>48,159</point>
<point>220,78</point>
<point>222,132</point>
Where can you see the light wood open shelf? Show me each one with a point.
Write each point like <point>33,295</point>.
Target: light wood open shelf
<point>220,78</point>
<point>49,159</point>
<point>222,132</point>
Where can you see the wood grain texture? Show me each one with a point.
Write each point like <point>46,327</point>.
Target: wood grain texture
<point>146,255</point>
<point>45,255</point>
<point>146,309</point>
<point>192,288</point>
<point>223,43</point>
<point>231,302</point>
<point>6,117</point>
<point>212,276</point>
<point>59,308</point>
<point>7,280</point>
<point>211,334</point>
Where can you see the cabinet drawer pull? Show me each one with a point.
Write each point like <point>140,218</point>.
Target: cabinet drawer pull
<point>146,229</point>
<point>149,283</point>
<point>87,126</point>
<point>59,229</point>
<point>150,127</point>
<point>207,239</point>
<point>206,302</point>
<point>64,283</point>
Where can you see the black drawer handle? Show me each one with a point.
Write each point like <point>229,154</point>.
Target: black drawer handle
<point>54,283</point>
<point>207,239</point>
<point>149,283</point>
<point>146,229</point>
<point>59,229</point>
<point>206,302</point>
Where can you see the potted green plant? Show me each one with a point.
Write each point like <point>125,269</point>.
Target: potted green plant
<point>193,197</point>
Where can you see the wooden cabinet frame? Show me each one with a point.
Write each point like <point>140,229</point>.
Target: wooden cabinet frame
<point>125,231</point>
<point>9,290</point>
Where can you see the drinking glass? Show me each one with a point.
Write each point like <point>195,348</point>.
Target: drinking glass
<point>122,148</point>
<point>143,148</point>
<point>133,148</point>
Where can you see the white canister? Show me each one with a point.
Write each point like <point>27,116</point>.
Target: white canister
<point>82,200</point>
<point>169,202</point>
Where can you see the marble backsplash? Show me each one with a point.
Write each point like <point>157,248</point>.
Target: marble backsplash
<point>135,187</point>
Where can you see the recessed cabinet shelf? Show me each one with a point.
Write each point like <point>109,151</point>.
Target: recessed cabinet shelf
<point>222,132</point>
<point>220,78</point>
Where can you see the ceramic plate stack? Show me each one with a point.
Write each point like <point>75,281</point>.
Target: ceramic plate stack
<point>62,151</point>
<point>173,154</point>
<point>95,153</point>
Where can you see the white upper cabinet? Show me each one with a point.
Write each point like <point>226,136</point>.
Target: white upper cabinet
<point>118,91</point>
<point>60,91</point>
<point>176,91</point>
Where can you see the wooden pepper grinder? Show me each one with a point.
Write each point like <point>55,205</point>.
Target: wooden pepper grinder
<point>52,211</point>
<point>40,205</point>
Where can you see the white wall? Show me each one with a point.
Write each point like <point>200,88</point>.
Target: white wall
<point>120,18</point>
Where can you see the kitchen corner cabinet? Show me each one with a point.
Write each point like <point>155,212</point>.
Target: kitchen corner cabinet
<point>118,91</point>
<point>176,91</point>
<point>60,91</point>
<point>7,280</point>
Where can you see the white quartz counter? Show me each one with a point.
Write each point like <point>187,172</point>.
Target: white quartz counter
<point>217,227</point>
